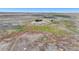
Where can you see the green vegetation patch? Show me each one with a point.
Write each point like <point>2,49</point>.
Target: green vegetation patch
<point>50,29</point>
<point>20,29</point>
<point>65,16</point>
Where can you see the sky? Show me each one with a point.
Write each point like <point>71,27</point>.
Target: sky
<point>65,10</point>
